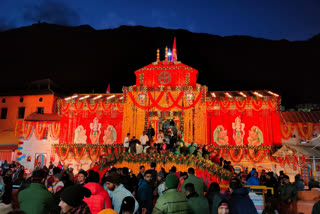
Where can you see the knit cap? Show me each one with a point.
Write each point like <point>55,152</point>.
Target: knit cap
<point>73,195</point>
<point>59,176</point>
<point>160,174</point>
<point>172,181</point>
<point>113,178</point>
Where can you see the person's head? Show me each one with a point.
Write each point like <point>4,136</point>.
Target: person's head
<point>263,172</point>
<point>112,181</point>
<point>93,177</point>
<point>82,175</point>
<point>173,169</point>
<point>161,131</point>
<point>128,134</point>
<point>160,176</point>
<point>268,177</point>
<point>189,188</point>
<point>172,181</point>
<point>191,171</point>
<point>285,179</point>
<point>127,205</point>
<point>57,177</point>
<point>144,132</point>
<point>153,165</point>
<point>37,176</point>
<point>142,169</point>
<point>72,197</point>
<point>214,187</point>
<point>235,183</point>
<point>281,173</point>
<point>255,174</point>
<point>125,171</point>
<point>223,207</point>
<point>297,177</point>
<point>39,164</point>
<point>148,176</point>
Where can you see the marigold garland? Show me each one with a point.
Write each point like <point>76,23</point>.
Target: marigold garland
<point>78,156</point>
<point>78,108</point>
<point>55,129</point>
<point>94,153</point>
<point>236,158</point>
<point>106,107</point>
<point>27,129</point>
<point>65,107</point>
<point>241,105</point>
<point>256,158</point>
<point>286,130</point>
<point>95,107</point>
<point>273,104</point>
<point>40,130</point>
<point>306,135</point>
<point>257,104</point>
<point>62,156</point>
<point>225,104</point>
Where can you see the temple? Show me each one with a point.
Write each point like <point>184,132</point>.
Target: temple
<point>245,127</point>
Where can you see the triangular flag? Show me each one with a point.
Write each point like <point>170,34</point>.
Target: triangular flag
<point>174,51</point>
<point>108,89</point>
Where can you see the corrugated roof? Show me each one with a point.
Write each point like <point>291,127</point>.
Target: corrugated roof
<point>300,117</point>
<point>42,117</point>
<point>290,150</point>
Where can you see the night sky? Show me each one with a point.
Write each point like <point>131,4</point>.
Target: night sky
<point>270,19</point>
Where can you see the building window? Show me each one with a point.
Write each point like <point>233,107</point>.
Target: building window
<point>40,110</point>
<point>40,99</point>
<point>3,100</point>
<point>4,112</point>
<point>21,112</point>
<point>21,100</point>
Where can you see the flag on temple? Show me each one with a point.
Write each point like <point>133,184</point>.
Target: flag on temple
<point>108,89</point>
<point>174,51</point>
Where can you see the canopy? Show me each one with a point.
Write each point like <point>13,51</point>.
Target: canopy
<point>295,150</point>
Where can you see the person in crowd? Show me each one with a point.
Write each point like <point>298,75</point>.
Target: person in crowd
<point>223,207</point>
<point>313,183</point>
<point>119,192</point>
<point>126,142</point>
<point>70,175</point>
<point>298,182</point>
<point>253,180</point>
<point>271,182</point>
<point>164,148</point>
<point>215,158</point>
<point>145,193</point>
<point>144,138</point>
<point>151,132</point>
<point>7,179</point>
<point>205,152</point>
<point>239,202</point>
<point>147,147</point>
<point>214,197</point>
<point>18,175</point>
<point>287,196</point>
<point>198,152</point>
<point>82,176</point>
<point>57,184</point>
<point>38,167</point>
<point>36,199</point>
<point>172,201</point>
<point>1,188</point>
<point>198,183</point>
<point>316,208</point>
<point>160,183</point>
<point>199,205</point>
<point>72,200</point>
<point>153,166</point>
<point>139,147</point>
<point>126,180</point>
<point>263,178</point>
<point>160,139</point>
<point>249,174</point>
<point>6,208</point>
<point>99,198</point>
<point>183,177</point>
<point>133,145</point>
<point>192,148</point>
<point>127,206</point>
<point>141,173</point>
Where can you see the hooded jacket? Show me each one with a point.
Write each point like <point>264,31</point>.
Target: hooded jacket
<point>99,198</point>
<point>240,203</point>
<point>253,180</point>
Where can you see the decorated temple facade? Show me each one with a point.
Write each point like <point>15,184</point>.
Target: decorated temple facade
<point>244,127</point>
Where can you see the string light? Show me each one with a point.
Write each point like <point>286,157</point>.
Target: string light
<point>97,97</point>
<point>112,96</point>
<point>85,97</point>
<point>213,94</point>
<point>228,95</point>
<point>256,93</point>
<point>272,93</point>
<point>242,94</point>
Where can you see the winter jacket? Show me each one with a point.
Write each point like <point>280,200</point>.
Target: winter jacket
<point>253,180</point>
<point>240,203</point>
<point>144,196</point>
<point>214,199</point>
<point>198,183</point>
<point>36,199</point>
<point>172,201</point>
<point>199,205</point>
<point>117,197</point>
<point>99,198</point>
<point>316,208</point>
<point>288,191</point>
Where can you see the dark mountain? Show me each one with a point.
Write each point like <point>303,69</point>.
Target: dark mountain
<point>84,59</point>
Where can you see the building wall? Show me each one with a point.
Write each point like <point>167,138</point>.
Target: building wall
<point>31,104</point>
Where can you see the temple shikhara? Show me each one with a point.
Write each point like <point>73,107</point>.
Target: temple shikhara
<point>244,127</point>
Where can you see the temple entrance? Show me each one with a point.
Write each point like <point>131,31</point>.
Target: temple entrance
<point>169,129</point>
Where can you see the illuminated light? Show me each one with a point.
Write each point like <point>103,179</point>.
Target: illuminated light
<point>169,53</point>
<point>68,98</point>
<point>272,93</point>
<point>213,94</point>
<point>256,93</point>
<point>110,97</point>
<point>242,94</point>
<point>85,97</point>
<point>121,98</point>
<point>74,96</point>
<point>97,97</point>
<point>228,95</point>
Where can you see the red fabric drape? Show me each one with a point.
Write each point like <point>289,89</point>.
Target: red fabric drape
<point>5,155</point>
<point>71,120</point>
<point>267,121</point>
